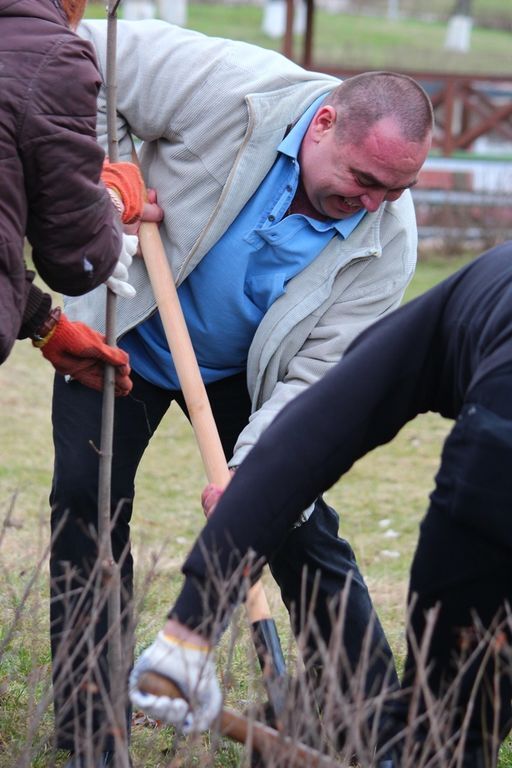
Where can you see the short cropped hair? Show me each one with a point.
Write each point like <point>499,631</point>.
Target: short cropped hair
<point>362,100</point>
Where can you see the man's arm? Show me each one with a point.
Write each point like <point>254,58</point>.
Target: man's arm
<point>167,79</point>
<point>387,376</point>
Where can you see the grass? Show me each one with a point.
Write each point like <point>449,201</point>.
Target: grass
<point>433,268</point>
<point>381,502</point>
<point>368,41</point>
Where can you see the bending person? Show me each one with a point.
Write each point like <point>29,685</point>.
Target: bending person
<point>449,352</point>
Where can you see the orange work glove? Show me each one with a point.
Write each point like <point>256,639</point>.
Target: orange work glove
<point>126,182</point>
<point>78,351</point>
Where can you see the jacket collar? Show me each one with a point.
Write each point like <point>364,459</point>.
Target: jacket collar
<point>269,117</point>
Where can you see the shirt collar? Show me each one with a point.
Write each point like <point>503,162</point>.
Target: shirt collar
<point>290,145</point>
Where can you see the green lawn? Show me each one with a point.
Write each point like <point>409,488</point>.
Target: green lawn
<point>366,42</point>
<point>386,492</point>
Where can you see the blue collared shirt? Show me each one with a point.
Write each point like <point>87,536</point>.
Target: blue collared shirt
<point>226,295</point>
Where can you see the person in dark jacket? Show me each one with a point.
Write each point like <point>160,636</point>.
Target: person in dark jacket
<point>53,190</point>
<point>450,352</point>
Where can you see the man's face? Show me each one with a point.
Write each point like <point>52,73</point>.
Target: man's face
<point>342,178</point>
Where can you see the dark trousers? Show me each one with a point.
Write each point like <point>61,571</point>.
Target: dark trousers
<point>312,561</point>
<point>461,592</point>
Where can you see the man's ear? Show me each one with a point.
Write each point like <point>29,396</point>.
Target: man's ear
<point>323,121</point>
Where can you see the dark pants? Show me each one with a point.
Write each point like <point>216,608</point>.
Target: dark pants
<point>313,555</point>
<point>461,592</point>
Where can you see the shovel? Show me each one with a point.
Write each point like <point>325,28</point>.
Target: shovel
<point>269,743</point>
<point>264,631</point>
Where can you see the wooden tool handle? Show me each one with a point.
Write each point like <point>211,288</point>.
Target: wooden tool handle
<point>162,281</point>
<point>266,740</point>
<point>231,723</point>
<point>183,355</point>
<point>192,385</point>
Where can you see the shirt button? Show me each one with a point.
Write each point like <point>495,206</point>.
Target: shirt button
<point>288,188</point>
<point>271,218</point>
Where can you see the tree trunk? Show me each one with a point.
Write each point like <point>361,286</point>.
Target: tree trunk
<point>460,24</point>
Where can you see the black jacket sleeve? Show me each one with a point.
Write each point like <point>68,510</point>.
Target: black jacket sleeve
<point>388,375</point>
<point>37,307</point>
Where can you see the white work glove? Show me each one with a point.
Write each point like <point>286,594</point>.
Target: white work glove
<point>191,668</point>
<point>118,280</point>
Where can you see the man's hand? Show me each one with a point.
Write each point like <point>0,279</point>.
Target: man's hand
<point>211,495</point>
<point>118,280</point>
<point>78,351</point>
<point>190,666</point>
<point>151,212</point>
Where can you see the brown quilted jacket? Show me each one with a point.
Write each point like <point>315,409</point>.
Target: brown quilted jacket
<point>50,164</point>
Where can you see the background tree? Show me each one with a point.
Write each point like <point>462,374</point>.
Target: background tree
<point>460,24</point>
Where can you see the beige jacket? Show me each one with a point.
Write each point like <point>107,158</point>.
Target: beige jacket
<point>210,113</point>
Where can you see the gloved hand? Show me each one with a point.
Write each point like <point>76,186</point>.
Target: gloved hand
<point>118,280</point>
<point>191,668</point>
<point>78,351</point>
<point>211,495</point>
<point>124,180</point>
